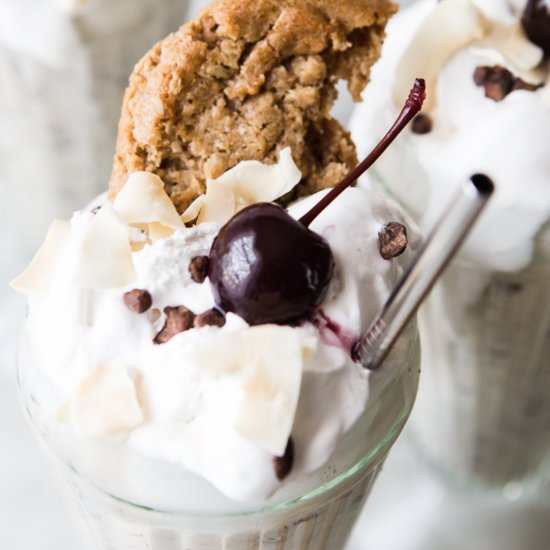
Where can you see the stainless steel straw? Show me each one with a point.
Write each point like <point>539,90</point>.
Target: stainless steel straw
<point>425,269</point>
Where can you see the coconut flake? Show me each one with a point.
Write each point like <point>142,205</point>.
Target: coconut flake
<point>274,363</point>
<point>247,183</point>
<point>157,231</point>
<point>143,201</point>
<point>193,210</point>
<point>450,26</point>
<point>104,256</point>
<point>269,361</point>
<point>105,404</point>
<point>36,279</point>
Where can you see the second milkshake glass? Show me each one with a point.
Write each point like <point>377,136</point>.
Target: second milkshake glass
<point>483,414</point>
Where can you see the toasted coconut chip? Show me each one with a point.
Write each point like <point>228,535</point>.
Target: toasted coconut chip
<point>105,404</point>
<point>143,201</point>
<point>271,360</point>
<point>451,25</point>
<point>104,259</point>
<point>157,231</point>
<point>247,183</point>
<point>193,210</point>
<point>274,363</point>
<point>36,279</point>
<point>220,202</point>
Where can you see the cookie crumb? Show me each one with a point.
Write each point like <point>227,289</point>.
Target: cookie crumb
<point>243,81</point>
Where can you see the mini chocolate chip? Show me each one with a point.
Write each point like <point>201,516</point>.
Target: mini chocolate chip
<point>178,319</point>
<point>210,318</point>
<point>497,81</point>
<point>536,24</point>
<point>393,240</point>
<point>283,464</point>
<point>96,209</point>
<point>421,124</point>
<point>496,91</point>
<point>198,268</point>
<point>138,301</point>
<point>480,75</point>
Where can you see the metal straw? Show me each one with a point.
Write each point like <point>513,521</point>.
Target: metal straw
<point>425,269</point>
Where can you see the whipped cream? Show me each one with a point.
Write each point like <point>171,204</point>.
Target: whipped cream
<point>471,133</point>
<point>219,402</point>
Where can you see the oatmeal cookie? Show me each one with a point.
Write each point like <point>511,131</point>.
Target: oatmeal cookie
<point>244,80</point>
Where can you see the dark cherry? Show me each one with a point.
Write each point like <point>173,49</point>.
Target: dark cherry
<point>269,268</point>
<point>536,23</point>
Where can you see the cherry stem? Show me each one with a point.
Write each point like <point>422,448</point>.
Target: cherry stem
<point>412,107</point>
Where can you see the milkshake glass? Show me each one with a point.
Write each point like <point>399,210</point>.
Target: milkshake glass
<point>483,416</point>
<point>64,67</point>
<point>316,513</point>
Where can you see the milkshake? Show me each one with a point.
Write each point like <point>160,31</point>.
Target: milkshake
<point>64,66</point>
<point>173,424</point>
<point>482,418</point>
<point>189,354</point>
